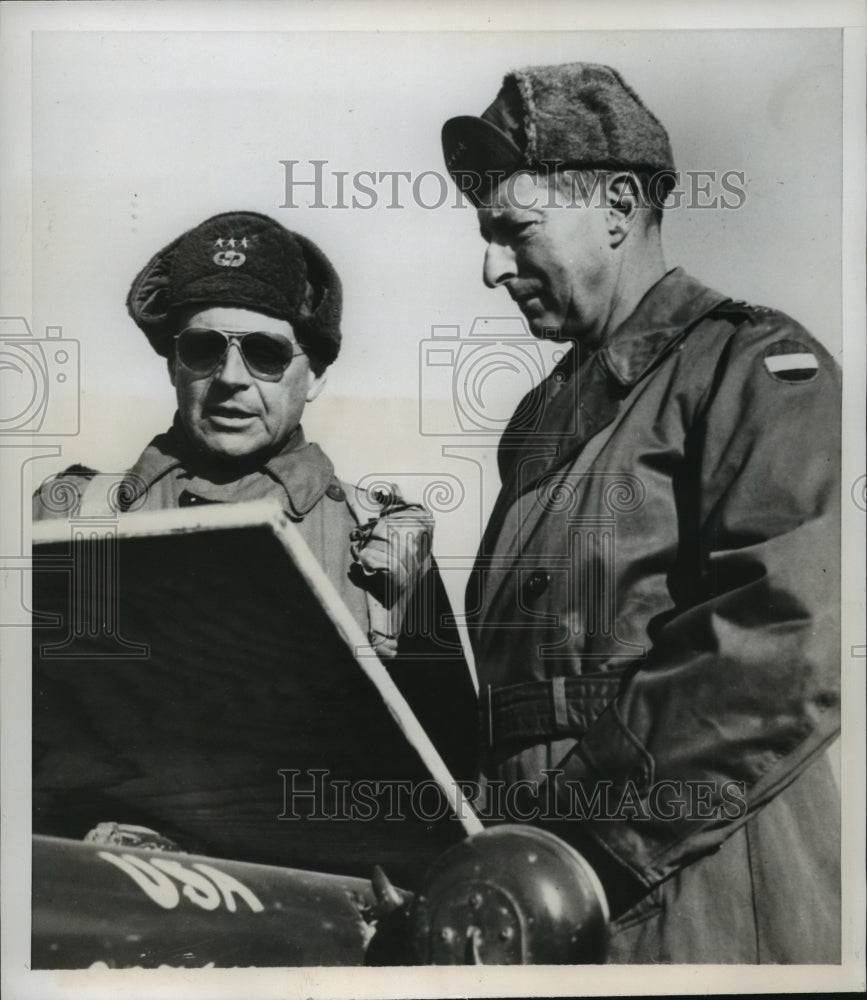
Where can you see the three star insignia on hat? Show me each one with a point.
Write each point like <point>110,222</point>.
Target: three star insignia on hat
<point>790,361</point>
<point>230,257</point>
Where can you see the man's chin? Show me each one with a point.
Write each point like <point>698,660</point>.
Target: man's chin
<point>544,325</point>
<point>229,447</point>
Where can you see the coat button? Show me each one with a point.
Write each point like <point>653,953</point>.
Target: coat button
<point>536,584</point>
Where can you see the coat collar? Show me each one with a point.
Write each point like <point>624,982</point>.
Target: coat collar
<point>669,307</point>
<point>304,471</point>
<point>583,394</point>
<point>301,468</point>
<point>668,311</point>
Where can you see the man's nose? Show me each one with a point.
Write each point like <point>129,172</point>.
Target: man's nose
<point>499,264</point>
<point>232,370</point>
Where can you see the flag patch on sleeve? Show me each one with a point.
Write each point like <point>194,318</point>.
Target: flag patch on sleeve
<point>790,361</point>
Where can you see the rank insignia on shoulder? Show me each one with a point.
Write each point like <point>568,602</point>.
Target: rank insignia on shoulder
<point>790,361</point>
<point>738,310</point>
<point>78,470</point>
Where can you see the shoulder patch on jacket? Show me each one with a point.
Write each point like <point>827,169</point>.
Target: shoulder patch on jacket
<point>790,361</point>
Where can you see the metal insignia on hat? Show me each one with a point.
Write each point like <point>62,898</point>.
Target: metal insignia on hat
<point>230,257</point>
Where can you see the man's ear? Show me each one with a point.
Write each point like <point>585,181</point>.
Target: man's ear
<point>315,384</point>
<point>623,200</point>
<point>170,364</point>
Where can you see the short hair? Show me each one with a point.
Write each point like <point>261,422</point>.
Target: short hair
<point>317,363</point>
<point>585,182</point>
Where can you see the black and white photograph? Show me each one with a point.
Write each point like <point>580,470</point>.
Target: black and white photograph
<point>432,452</point>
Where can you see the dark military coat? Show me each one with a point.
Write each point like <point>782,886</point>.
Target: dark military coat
<point>655,619</point>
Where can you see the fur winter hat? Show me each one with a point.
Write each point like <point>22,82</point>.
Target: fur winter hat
<point>247,260</point>
<point>573,115</point>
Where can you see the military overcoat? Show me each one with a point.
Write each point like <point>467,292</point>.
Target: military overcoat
<point>655,619</point>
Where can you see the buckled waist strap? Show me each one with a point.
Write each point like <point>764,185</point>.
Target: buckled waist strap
<point>544,710</point>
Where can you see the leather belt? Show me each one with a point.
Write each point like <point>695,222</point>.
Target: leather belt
<point>539,711</point>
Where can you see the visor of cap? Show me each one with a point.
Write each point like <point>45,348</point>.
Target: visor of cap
<point>478,154</point>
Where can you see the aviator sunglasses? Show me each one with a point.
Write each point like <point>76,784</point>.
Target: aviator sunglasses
<point>201,351</point>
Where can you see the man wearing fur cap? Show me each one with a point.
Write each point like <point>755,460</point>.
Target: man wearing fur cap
<point>247,315</point>
<point>666,691</point>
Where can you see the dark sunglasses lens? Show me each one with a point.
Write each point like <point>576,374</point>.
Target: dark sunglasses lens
<point>201,350</point>
<point>265,354</point>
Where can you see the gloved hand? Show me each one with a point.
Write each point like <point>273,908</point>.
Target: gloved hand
<point>391,553</point>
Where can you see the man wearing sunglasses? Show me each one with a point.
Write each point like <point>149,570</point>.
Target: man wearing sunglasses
<point>247,315</point>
